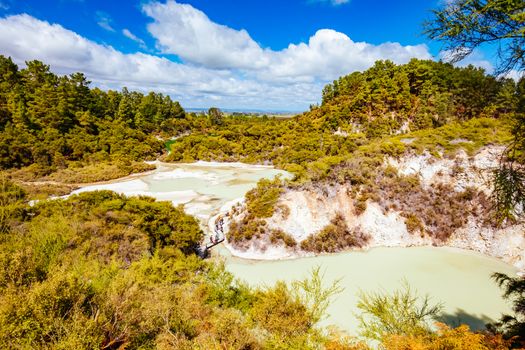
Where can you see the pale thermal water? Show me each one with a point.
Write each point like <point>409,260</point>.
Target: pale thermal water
<point>203,188</point>
<point>459,279</point>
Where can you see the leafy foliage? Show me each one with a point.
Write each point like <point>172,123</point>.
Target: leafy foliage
<point>512,326</point>
<point>401,313</point>
<point>100,270</point>
<point>465,25</point>
<point>54,122</point>
<point>509,190</point>
<point>509,179</point>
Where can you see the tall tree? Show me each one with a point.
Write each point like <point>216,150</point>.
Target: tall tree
<point>464,25</point>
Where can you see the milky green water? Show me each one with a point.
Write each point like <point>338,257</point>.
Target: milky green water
<point>203,188</point>
<point>459,279</point>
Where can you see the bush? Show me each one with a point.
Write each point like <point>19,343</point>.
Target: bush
<point>334,237</point>
<point>260,203</point>
<point>402,312</point>
<point>413,223</point>
<point>277,311</point>
<point>100,270</point>
<point>279,236</point>
<point>12,207</point>
<point>261,200</point>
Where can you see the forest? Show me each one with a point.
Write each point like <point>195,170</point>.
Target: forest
<point>357,110</point>
<point>50,123</point>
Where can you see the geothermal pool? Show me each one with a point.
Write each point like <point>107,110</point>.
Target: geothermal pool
<point>459,279</point>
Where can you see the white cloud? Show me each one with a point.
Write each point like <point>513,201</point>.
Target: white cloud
<point>330,54</point>
<point>104,21</point>
<point>128,34</point>
<point>23,37</point>
<point>221,66</point>
<point>476,58</point>
<point>182,30</point>
<point>514,74</point>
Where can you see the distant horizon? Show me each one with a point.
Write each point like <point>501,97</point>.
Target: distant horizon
<point>243,110</point>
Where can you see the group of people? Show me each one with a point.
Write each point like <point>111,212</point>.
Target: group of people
<point>219,231</point>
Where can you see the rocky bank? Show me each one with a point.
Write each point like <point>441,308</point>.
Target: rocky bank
<point>306,211</point>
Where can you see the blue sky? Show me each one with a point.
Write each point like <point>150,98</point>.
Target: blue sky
<point>261,54</point>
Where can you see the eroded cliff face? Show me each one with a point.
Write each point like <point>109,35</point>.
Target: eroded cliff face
<point>305,212</point>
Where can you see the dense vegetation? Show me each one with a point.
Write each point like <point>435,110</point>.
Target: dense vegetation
<point>51,123</point>
<point>384,100</point>
<point>99,270</point>
<point>433,211</point>
<point>387,111</point>
<point>261,204</point>
<point>335,237</point>
<point>103,271</point>
<point>421,94</point>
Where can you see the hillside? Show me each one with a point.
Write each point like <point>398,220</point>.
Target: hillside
<point>58,128</point>
<point>384,100</point>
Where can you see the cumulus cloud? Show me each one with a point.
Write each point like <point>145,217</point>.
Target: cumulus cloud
<point>23,37</point>
<point>128,34</point>
<point>220,65</point>
<point>329,54</point>
<point>182,30</point>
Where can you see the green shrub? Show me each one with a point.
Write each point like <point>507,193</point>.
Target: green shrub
<point>12,207</point>
<point>261,200</point>
<point>335,237</point>
<point>402,312</point>
<point>277,311</point>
